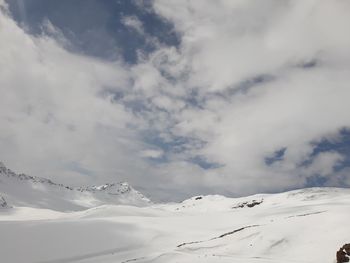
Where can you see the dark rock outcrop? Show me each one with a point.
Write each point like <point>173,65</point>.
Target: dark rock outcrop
<point>343,254</point>
<point>249,204</point>
<point>346,247</point>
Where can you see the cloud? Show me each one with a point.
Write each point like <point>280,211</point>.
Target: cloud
<point>248,79</point>
<point>74,118</point>
<point>54,113</point>
<point>303,47</point>
<point>151,153</point>
<point>324,163</point>
<point>134,23</point>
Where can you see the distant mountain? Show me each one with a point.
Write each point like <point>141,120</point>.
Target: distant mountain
<point>31,191</point>
<point>3,203</point>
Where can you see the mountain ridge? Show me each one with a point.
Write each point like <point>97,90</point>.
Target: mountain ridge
<point>20,189</point>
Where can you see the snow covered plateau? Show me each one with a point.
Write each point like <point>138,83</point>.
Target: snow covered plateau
<point>45,222</point>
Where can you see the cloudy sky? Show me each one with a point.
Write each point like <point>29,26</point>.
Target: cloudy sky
<point>177,97</point>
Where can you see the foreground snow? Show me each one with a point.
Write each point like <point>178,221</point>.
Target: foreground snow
<point>300,226</point>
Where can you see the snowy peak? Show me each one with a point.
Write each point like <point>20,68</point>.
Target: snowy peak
<point>4,171</point>
<point>32,191</point>
<point>3,203</point>
<point>116,190</point>
<point>111,188</point>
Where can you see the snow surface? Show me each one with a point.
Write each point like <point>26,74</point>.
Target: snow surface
<point>306,225</point>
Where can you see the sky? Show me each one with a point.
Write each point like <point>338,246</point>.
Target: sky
<point>177,97</point>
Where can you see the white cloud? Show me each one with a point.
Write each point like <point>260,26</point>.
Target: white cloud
<point>324,163</point>
<point>152,153</point>
<point>53,114</point>
<point>134,23</point>
<point>227,43</point>
<point>248,79</point>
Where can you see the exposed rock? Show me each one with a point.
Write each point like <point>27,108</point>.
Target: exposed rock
<point>3,203</point>
<point>346,247</point>
<point>249,204</point>
<point>342,254</point>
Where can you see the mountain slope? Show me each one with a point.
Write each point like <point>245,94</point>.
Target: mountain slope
<point>52,223</point>
<point>31,191</point>
<point>3,203</point>
<point>305,226</point>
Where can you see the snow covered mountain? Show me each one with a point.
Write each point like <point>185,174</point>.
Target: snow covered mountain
<point>305,226</point>
<point>32,191</point>
<point>3,203</point>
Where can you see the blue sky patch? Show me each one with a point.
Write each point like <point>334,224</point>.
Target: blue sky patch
<point>95,27</point>
<point>276,156</point>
